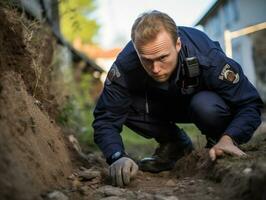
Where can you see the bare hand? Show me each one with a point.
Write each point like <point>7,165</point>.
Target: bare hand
<point>225,145</point>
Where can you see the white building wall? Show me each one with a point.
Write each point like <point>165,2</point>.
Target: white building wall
<point>246,56</point>
<point>245,13</point>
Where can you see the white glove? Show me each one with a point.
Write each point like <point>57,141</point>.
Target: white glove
<point>122,170</point>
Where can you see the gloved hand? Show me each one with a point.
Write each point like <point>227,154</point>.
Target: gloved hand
<point>122,170</point>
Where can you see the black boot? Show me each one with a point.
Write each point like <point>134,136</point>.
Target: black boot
<point>166,155</point>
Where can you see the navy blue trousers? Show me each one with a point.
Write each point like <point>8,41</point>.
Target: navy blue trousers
<point>205,109</point>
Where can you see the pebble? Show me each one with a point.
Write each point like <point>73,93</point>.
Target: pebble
<point>192,182</point>
<point>182,190</point>
<point>107,191</point>
<point>85,190</point>
<point>71,177</point>
<point>247,170</point>
<point>37,102</point>
<point>89,174</point>
<point>144,196</point>
<point>163,174</point>
<point>161,197</point>
<point>115,193</point>
<point>171,183</point>
<point>210,189</point>
<point>76,184</point>
<point>57,195</point>
<point>113,198</point>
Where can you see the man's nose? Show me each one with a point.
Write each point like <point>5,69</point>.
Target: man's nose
<point>156,67</point>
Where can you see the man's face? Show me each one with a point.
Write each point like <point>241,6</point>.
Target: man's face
<point>159,57</point>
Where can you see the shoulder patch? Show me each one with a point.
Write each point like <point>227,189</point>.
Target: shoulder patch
<point>227,74</point>
<point>113,74</point>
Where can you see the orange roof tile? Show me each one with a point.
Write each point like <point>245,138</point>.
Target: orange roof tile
<point>94,51</point>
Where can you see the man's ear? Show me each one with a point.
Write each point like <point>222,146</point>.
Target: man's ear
<point>178,44</point>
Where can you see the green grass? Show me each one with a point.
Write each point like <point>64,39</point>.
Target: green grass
<point>194,133</point>
<point>138,146</point>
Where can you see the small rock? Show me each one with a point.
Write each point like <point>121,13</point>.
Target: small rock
<point>170,183</point>
<point>113,198</point>
<point>37,102</point>
<point>57,195</point>
<point>247,171</point>
<point>200,180</point>
<point>130,195</point>
<point>181,186</point>
<point>75,174</point>
<point>113,191</point>
<point>75,144</point>
<point>164,174</point>
<point>144,196</point>
<point>161,197</point>
<point>76,184</point>
<point>148,178</point>
<point>85,190</point>
<point>83,168</point>
<point>89,174</point>
<point>71,177</point>
<point>210,189</point>
<point>107,191</point>
<point>182,190</point>
<point>192,182</point>
<point>172,198</point>
<point>140,173</point>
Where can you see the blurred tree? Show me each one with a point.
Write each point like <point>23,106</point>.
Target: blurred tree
<point>76,20</point>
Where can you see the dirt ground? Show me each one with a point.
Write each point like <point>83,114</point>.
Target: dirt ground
<point>39,161</point>
<point>194,177</point>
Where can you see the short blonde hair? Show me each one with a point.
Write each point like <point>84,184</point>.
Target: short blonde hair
<point>149,24</point>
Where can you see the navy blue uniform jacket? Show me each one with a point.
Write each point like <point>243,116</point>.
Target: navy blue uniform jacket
<point>127,80</point>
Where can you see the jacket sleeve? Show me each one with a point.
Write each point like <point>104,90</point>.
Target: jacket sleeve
<point>111,112</point>
<point>226,78</point>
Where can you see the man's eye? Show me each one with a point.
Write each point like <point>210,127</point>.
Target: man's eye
<point>162,58</point>
<point>146,61</point>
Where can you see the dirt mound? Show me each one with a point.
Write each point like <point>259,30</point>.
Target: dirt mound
<point>237,178</point>
<point>34,157</point>
<point>197,163</point>
<point>29,48</point>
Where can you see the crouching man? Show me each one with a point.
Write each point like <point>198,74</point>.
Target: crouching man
<point>167,75</point>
